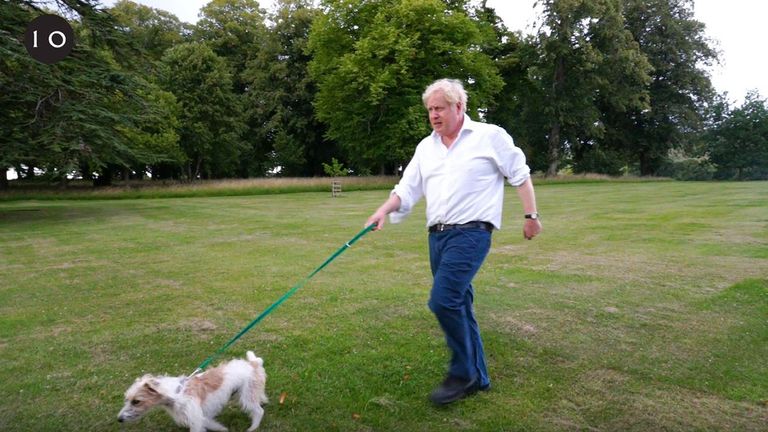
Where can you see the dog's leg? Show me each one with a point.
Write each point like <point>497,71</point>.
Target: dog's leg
<point>257,412</point>
<point>193,416</point>
<point>197,428</point>
<point>213,425</point>
<point>251,396</point>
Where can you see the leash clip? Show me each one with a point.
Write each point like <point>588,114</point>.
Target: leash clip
<point>183,382</point>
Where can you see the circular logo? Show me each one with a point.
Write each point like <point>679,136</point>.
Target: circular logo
<point>49,38</point>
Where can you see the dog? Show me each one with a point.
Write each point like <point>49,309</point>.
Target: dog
<point>195,402</point>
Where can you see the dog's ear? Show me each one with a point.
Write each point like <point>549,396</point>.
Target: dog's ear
<point>152,385</point>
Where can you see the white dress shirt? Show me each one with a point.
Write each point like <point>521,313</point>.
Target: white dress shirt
<point>465,182</point>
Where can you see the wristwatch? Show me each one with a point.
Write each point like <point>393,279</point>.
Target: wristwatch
<point>533,215</point>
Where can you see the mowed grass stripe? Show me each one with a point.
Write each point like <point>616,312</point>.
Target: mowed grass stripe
<point>641,307</point>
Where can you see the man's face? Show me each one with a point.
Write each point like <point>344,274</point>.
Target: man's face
<point>444,117</point>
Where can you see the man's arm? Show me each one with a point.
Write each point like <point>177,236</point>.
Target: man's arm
<point>527,196</point>
<point>380,215</point>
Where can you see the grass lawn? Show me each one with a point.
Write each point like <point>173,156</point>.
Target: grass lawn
<point>641,307</point>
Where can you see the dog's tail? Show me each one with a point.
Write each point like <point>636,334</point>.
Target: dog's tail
<point>253,359</point>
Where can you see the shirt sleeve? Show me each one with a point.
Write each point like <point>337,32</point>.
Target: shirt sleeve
<point>409,189</point>
<point>510,158</point>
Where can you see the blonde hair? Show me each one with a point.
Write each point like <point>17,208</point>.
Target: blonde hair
<point>452,90</point>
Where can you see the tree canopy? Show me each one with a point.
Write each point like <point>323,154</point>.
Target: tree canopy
<point>607,86</point>
<point>738,142</point>
<point>372,61</point>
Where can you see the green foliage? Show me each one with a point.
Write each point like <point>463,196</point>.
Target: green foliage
<point>372,61</point>
<point>681,166</point>
<point>597,160</point>
<point>236,32</point>
<point>280,95</point>
<point>587,63</point>
<point>155,135</point>
<point>210,116</point>
<point>335,169</point>
<point>233,29</point>
<point>520,106</point>
<point>605,86</point>
<point>738,143</point>
<point>17,100</point>
<point>676,46</point>
<point>72,115</point>
<point>148,31</point>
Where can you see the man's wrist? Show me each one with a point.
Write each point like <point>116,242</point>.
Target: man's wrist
<point>532,215</point>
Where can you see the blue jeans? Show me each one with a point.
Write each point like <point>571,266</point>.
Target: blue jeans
<point>455,257</point>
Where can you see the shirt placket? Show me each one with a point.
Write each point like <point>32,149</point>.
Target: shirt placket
<point>442,201</point>
<point>448,182</point>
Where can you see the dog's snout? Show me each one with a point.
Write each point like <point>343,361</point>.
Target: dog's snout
<point>120,419</point>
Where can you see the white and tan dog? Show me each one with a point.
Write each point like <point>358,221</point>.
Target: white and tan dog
<point>197,401</point>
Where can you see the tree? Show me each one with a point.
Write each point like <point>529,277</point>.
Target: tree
<point>234,30</point>
<point>280,94</point>
<point>372,61</point>
<point>587,63</point>
<point>149,32</point>
<point>678,49</point>
<point>738,142</point>
<point>72,114</point>
<point>519,107</point>
<point>154,134</point>
<point>16,99</point>
<point>210,116</point>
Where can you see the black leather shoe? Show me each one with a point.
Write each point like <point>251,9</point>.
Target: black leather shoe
<point>453,389</point>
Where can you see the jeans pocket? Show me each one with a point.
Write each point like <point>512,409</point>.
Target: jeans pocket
<point>479,237</point>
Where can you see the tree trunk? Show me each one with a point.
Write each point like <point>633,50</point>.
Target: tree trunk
<point>85,172</point>
<point>4,180</point>
<point>647,165</point>
<point>29,173</point>
<point>553,156</point>
<point>197,167</point>
<point>104,178</point>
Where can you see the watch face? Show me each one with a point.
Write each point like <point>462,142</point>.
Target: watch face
<point>532,216</point>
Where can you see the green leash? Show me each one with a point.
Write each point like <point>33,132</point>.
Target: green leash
<point>285,297</point>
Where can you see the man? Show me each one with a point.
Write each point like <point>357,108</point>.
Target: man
<point>460,168</point>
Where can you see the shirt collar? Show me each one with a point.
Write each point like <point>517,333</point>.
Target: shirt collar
<point>468,125</point>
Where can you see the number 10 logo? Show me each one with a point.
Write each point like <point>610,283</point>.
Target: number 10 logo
<point>49,39</point>
<point>53,44</point>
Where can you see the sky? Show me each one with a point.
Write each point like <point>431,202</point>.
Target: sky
<point>735,26</point>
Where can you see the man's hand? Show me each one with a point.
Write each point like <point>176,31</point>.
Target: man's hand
<point>532,228</point>
<point>378,218</point>
<point>380,215</point>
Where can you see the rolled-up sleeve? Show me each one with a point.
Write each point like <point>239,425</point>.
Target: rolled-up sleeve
<point>510,159</point>
<point>409,189</point>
